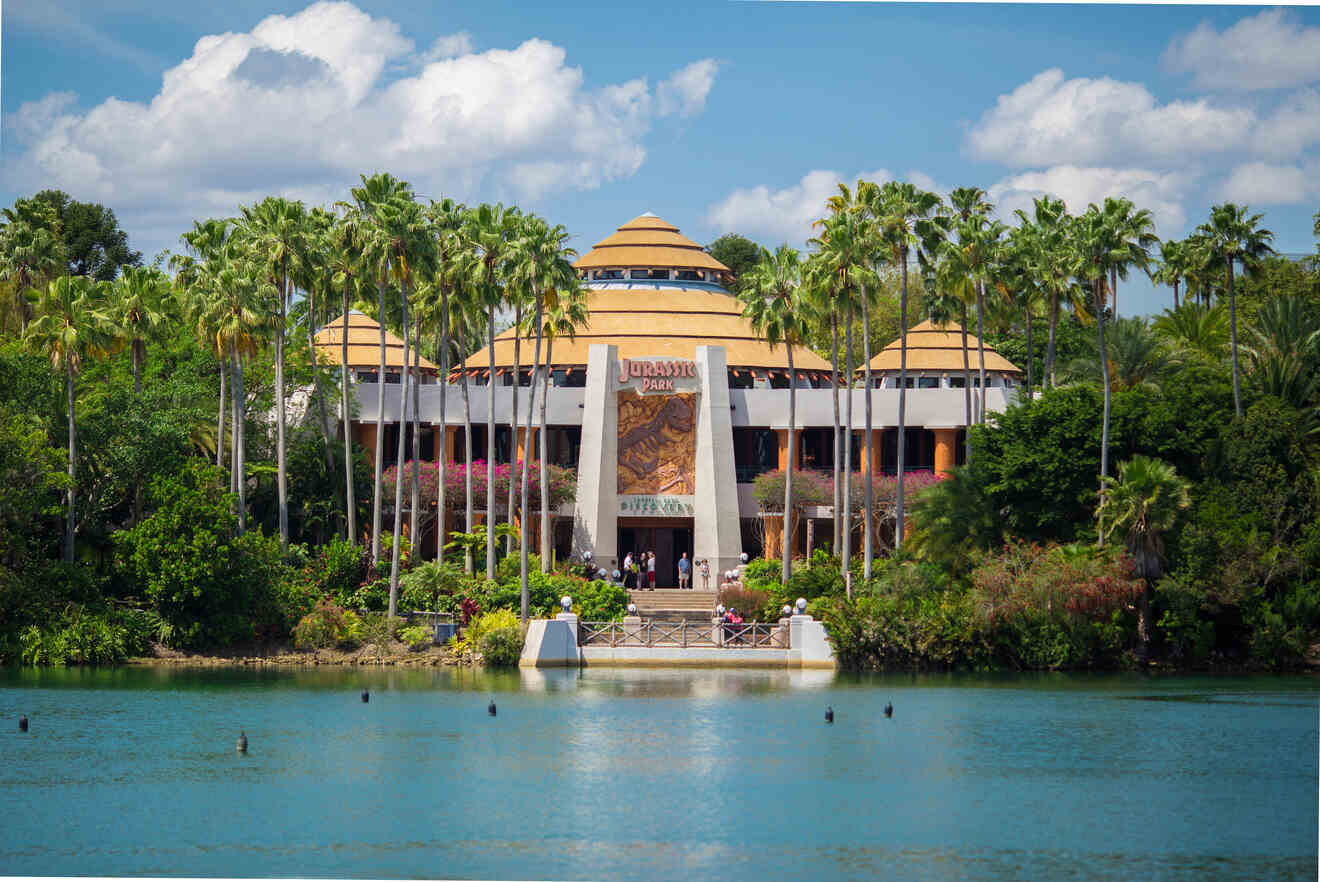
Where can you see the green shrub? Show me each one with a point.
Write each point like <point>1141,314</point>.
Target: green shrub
<point>502,647</point>
<point>600,601</point>
<point>349,634</point>
<point>762,570</point>
<point>88,638</point>
<point>417,637</point>
<point>320,628</point>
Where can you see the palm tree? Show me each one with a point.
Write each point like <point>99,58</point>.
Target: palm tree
<point>542,263</point>
<point>276,229</point>
<point>206,240</point>
<point>1232,236</point>
<point>1136,357</point>
<point>904,214</point>
<point>1135,231</point>
<point>31,251</point>
<point>138,309</point>
<point>978,245</point>
<point>1194,330</point>
<point>1142,505</point>
<point>70,324</point>
<point>1172,268</point>
<point>819,286</point>
<point>772,302</point>
<point>343,250</point>
<point>490,232</point>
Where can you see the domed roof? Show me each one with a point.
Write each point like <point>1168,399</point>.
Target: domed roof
<point>363,344</point>
<point>658,323</point>
<point>648,241</point>
<point>932,347</point>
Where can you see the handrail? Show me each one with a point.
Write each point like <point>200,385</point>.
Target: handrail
<point>669,635</point>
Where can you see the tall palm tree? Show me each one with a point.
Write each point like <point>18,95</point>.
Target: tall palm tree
<point>819,285</point>
<point>343,249</point>
<point>1193,330</point>
<point>1232,236</point>
<point>71,324</point>
<point>31,252</point>
<point>1142,505</point>
<point>491,231</point>
<point>542,263</point>
<point>978,244</point>
<point>139,306</point>
<point>1172,268</point>
<point>904,213</point>
<point>276,229</point>
<point>772,302</point>
<point>206,240</point>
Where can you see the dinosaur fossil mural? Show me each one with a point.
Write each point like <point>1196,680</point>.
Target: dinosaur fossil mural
<point>657,443</point>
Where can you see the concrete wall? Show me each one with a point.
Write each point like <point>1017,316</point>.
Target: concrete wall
<point>717,535</point>
<point>596,509</point>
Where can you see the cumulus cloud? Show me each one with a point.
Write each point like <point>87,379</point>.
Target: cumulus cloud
<point>684,93</point>
<point>783,215</point>
<point>1269,50</point>
<point>1260,183</point>
<point>1160,192</point>
<point>1292,127</point>
<point>1051,119</point>
<point>303,103</point>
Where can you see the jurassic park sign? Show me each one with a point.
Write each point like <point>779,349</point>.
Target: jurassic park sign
<point>656,375</point>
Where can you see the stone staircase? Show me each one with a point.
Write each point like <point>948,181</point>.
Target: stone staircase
<point>673,605</point>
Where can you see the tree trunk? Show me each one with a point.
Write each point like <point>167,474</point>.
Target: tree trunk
<point>237,430</point>
<point>1113,284</point>
<point>902,401</point>
<point>787,568</point>
<point>838,435</point>
<point>68,530</point>
<point>415,476</point>
<point>399,465</point>
<point>1104,372</point>
<point>281,415</point>
<point>468,563</point>
<point>320,405</point>
<point>544,447</point>
<point>967,389</point>
<point>220,417</point>
<point>980,349</point>
<point>442,455</point>
<point>240,443</point>
<point>1049,346</point>
<point>380,427</point>
<point>522,521</point>
<point>1232,325</point>
<point>350,504</point>
<point>490,446</point>
<point>513,423</point>
<point>1175,293</point>
<point>1031,355</point>
<point>847,444</point>
<point>868,485</point>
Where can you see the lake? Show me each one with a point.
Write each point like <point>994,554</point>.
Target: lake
<point>657,773</point>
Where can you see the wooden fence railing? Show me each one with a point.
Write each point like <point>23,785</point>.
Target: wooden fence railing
<point>749,635</point>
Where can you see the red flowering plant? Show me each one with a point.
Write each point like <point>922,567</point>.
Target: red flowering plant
<point>561,483</point>
<point>1076,582</point>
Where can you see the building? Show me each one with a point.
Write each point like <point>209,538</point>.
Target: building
<point>668,404</point>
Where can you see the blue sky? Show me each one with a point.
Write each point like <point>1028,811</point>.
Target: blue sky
<point>718,116</point>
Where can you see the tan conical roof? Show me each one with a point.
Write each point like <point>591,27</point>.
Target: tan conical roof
<point>661,324</point>
<point>932,347</point>
<point>363,344</point>
<point>648,241</point>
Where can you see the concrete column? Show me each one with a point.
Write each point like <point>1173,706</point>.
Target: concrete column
<point>451,443</point>
<point>595,512</point>
<point>774,536</point>
<point>946,449</point>
<point>717,534</point>
<point>437,441</point>
<point>877,450</point>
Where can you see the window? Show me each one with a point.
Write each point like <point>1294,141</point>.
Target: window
<point>928,382</point>
<point>691,276</point>
<point>658,274</point>
<point>957,382</point>
<point>574,378</point>
<point>741,379</point>
<point>892,382</point>
<point>609,274</point>
<point>639,274</point>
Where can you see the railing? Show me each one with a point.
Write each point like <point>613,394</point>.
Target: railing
<point>669,635</point>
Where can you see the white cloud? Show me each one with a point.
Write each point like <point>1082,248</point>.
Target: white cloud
<point>1292,127</point>
<point>684,92</point>
<point>783,215</point>
<point>448,46</point>
<point>1270,50</point>
<point>1160,192</point>
<point>304,103</point>
<point>1259,183</point>
<point>1051,119</point>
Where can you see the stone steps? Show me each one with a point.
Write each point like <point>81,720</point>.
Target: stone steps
<point>674,605</point>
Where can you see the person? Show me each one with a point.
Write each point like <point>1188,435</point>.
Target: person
<point>627,570</point>
<point>705,574</point>
<point>650,569</point>
<point>636,571</point>
<point>734,621</point>
<point>684,571</point>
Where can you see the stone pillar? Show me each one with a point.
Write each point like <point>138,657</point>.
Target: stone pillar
<point>717,535</point>
<point>774,535</point>
<point>946,449</point>
<point>451,443</point>
<point>525,443</point>
<point>595,511</point>
<point>876,465</point>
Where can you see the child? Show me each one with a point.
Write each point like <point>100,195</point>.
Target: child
<point>705,574</point>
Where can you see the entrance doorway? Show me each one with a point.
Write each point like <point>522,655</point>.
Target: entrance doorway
<point>669,539</point>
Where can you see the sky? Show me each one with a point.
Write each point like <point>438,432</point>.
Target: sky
<point>718,116</point>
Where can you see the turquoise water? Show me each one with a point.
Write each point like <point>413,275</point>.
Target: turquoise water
<point>626,774</point>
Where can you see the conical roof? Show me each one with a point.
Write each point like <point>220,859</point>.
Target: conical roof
<point>932,347</point>
<point>648,241</point>
<point>363,344</point>
<point>659,324</point>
